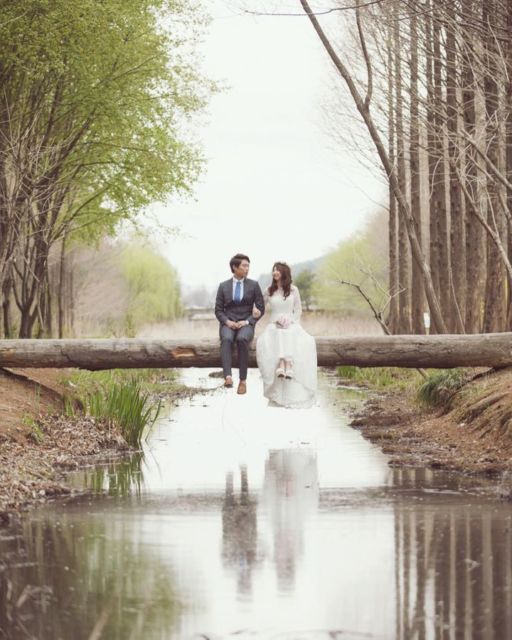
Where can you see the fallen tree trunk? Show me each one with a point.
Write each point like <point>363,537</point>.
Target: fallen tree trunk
<point>437,351</point>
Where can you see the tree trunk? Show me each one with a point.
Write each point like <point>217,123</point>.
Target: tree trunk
<point>509,149</point>
<point>495,297</point>
<point>438,351</point>
<point>457,219</point>
<point>475,249</point>
<point>434,254</point>
<point>363,106</point>
<point>60,292</point>
<point>417,294</point>
<point>438,186</point>
<point>404,261</point>
<point>393,320</point>
<point>6,306</point>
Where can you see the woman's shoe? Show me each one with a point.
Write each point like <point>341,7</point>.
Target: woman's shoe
<point>289,374</point>
<point>280,372</point>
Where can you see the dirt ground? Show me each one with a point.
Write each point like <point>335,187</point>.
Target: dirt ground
<point>38,443</point>
<point>25,394</point>
<point>471,433</point>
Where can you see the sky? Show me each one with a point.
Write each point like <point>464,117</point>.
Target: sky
<point>276,186</point>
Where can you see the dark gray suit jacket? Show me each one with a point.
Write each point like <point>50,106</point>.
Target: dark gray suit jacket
<point>227,309</point>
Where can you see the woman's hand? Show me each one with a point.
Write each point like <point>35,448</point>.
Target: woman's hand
<point>283,321</point>
<point>256,313</point>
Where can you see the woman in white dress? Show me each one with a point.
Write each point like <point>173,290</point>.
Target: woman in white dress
<point>286,354</point>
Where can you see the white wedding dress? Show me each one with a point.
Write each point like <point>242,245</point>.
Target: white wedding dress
<point>292,343</point>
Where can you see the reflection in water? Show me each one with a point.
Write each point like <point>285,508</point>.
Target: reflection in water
<point>290,492</point>
<point>453,567</point>
<point>324,537</point>
<point>69,579</point>
<point>117,478</point>
<point>239,531</point>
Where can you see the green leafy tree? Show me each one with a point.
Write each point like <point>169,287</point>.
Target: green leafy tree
<point>360,259</point>
<point>153,286</point>
<point>93,119</point>
<point>305,282</point>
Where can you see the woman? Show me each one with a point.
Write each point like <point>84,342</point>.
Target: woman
<point>286,354</point>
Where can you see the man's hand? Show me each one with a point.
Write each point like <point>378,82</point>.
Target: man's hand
<point>236,325</point>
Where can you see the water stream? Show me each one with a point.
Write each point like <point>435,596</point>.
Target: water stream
<point>247,521</point>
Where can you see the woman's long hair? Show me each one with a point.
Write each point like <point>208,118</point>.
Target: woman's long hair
<point>285,281</point>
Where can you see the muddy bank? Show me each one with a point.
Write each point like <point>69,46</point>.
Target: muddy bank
<point>39,443</point>
<point>33,468</point>
<point>471,433</point>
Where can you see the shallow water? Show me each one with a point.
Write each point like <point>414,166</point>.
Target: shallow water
<point>247,521</point>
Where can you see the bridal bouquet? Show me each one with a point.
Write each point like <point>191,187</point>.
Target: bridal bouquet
<point>283,321</point>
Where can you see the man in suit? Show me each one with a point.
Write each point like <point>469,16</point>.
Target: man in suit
<point>233,309</point>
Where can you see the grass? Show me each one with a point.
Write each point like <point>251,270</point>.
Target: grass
<point>380,378</point>
<point>151,380</point>
<point>35,430</point>
<point>439,387</point>
<point>124,397</point>
<point>126,405</point>
<point>434,391</point>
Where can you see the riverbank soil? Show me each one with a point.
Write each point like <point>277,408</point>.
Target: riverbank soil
<point>38,442</point>
<point>25,394</point>
<point>471,433</point>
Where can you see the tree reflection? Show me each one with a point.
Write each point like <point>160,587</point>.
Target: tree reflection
<point>453,566</point>
<point>120,478</point>
<point>239,531</point>
<point>290,491</point>
<point>82,579</point>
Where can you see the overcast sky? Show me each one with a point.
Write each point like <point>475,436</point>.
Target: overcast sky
<point>276,185</point>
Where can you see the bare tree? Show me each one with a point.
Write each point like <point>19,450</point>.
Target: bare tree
<point>363,106</point>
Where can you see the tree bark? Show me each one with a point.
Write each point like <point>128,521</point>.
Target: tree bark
<point>404,261</point>
<point>457,218</point>
<point>393,319</point>
<point>508,158</point>
<point>411,351</point>
<point>495,299</point>
<point>363,106</point>
<point>439,214</point>
<point>475,249</point>
<point>6,306</point>
<point>60,291</point>
<point>434,253</point>
<point>417,294</point>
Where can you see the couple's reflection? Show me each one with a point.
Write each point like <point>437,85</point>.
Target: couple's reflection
<point>239,531</point>
<point>290,493</point>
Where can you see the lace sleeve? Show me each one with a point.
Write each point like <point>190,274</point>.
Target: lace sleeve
<point>297,305</point>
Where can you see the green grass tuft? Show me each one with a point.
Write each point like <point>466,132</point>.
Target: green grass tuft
<point>439,387</point>
<point>121,396</point>
<point>126,405</point>
<point>388,378</point>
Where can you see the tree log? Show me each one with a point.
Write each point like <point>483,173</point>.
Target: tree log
<point>414,351</point>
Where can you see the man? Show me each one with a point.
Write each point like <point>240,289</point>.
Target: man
<point>233,309</point>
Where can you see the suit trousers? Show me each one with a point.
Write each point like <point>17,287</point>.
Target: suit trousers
<point>242,338</point>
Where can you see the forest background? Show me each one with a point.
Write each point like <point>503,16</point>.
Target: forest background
<point>96,117</point>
